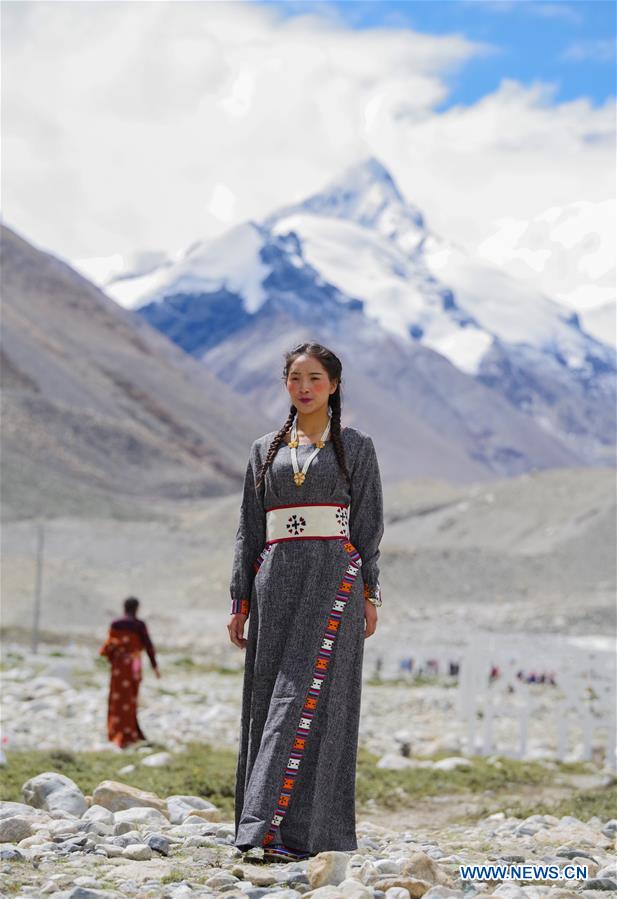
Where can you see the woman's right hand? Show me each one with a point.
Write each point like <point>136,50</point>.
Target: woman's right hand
<point>236,629</point>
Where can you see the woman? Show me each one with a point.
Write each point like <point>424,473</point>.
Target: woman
<point>125,641</point>
<point>305,574</point>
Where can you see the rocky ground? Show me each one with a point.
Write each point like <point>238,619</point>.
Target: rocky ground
<point>125,842</point>
<point>121,841</point>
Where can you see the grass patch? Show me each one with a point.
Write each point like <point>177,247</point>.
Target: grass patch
<point>600,803</point>
<point>200,770</point>
<point>393,789</point>
<point>188,663</point>
<point>174,876</point>
<point>10,660</point>
<point>420,681</point>
<point>380,784</point>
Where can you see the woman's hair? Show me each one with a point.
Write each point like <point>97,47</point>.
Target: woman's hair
<point>332,365</point>
<point>131,604</point>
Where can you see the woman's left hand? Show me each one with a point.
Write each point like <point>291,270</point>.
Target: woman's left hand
<point>370,618</point>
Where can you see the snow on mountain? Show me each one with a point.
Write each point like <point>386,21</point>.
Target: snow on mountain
<point>231,261</point>
<point>367,195</point>
<point>507,308</point>
<point>398,292</point>
<point>116,270</point>
<point>601,322</point>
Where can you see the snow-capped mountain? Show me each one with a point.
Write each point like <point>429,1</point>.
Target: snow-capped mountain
<point>358,253</point>
<point>372,244</point>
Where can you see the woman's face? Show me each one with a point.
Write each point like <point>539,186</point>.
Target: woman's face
<point>308,384</point>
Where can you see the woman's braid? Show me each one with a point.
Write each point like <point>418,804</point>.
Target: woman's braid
<point>274,446</point>
<point>335,430</point>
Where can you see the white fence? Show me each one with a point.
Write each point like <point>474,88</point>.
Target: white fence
<point>569,716</point>
<point>577,713</point>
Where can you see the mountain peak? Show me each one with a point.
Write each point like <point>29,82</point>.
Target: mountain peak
<point>365,176</point>
<point>365,194</point>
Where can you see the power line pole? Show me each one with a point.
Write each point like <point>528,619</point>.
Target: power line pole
<point>38,589</point>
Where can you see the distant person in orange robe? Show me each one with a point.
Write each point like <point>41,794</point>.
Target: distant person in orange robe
<point>126,639</point>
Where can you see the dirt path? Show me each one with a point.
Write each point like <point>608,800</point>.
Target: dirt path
<point>435,813</point>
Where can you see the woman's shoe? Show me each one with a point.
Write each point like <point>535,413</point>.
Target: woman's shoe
<point>277,852</point>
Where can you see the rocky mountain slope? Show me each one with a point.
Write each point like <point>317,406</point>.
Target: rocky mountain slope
<point>101,412</point>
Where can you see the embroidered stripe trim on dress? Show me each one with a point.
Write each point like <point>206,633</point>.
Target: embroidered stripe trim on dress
<point>320,669</point>
<point>240,605</point>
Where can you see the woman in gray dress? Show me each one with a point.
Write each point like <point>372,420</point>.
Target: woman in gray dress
<point>306,576</point>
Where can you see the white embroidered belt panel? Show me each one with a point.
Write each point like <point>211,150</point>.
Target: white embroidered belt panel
<point>313,520</point>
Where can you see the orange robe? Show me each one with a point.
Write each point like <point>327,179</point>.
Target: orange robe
<point>126,638</point>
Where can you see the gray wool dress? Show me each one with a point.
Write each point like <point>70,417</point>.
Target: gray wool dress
<point>296,768</point>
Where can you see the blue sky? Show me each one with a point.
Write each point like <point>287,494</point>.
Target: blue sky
<point>571,45</point>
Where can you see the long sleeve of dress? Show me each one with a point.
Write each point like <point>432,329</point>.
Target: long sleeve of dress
<point>366,521</point>
<point>110,646</point>
<point>250,536</point>
<point>148,645</point>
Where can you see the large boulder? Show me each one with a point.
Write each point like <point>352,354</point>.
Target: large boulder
<point>100,814</point>
<point>327,868</point>
<point>414,887</point>
<point>180,807</point>
<point>140,815</point>
<point>117,797</point>
<point>423,867</point>
<point>9,809</point>
<point>55,793</point>
<point>15,829</point>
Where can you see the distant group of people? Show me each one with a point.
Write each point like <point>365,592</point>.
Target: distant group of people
<point>430,668</point>
<point>126,639</point>
<point>532,677</point>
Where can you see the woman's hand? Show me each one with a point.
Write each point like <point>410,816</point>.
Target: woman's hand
<point>370,618</point>
<point>236,629</point>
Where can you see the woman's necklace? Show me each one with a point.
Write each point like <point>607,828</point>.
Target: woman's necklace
<point>299,476</point>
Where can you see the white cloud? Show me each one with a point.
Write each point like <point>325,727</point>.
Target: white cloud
<point>222,203</point>
<point>138,125</point>
<point>599,50</point>
<point>551,10</point>
<point>514,153</point>
<point>567,251</point>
